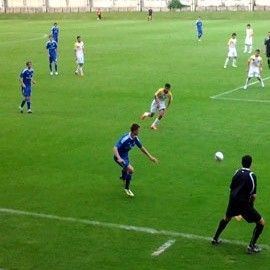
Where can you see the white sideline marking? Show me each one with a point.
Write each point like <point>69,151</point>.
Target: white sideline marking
<point>23,40</point>
<point>122,226</point>
<point>235,89</point>
<point>246,100</point>
<point>164,247</point>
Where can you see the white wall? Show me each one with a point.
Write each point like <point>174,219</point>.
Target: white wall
<point>155,3</point>
<point>263,3</point>
<point>35,3</point>
<point>209,3</point>
<point>57,3</point>
<point>77,3</point>
<point>103,3</point>
<point>15,3</point>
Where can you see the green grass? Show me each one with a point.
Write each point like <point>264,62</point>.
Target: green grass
<point>59,159</point>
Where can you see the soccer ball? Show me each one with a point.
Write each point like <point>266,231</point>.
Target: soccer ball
<point>219,156</point>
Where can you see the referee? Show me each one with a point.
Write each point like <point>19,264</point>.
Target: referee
<point>241,202</point>
<point>267,48</point>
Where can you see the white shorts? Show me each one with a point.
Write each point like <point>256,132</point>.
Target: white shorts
<point>232,52</point>
<point>80,59</point>
<point>154,108</point>
<point>248,41</point>
<point>254,72</point>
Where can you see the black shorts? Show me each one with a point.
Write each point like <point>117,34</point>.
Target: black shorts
<point>268,53</point>
<point>245,209</point>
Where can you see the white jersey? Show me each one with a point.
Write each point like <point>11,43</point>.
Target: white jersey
<point>232,43</point>
<point>255,63</point>
<point>249,36</point>
<point>79,47</point>
<point>232,47</point>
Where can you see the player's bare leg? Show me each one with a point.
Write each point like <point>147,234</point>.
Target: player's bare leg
<point>147,114</point>
<point>157,120</point>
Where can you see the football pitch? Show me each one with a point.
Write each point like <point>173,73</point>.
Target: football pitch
<point>62,205</point>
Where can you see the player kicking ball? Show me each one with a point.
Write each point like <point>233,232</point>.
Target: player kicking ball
<point>254,68</point>
<point>162,96</point>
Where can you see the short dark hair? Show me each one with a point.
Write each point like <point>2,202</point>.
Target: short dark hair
<point>134,127</point>
<point>246,161</point>
<point>234,34</point>
<point>258,50</point>
<point>167,85</point>
<point>28,62</point>
<point>248,24</point>
<point>78,37</point>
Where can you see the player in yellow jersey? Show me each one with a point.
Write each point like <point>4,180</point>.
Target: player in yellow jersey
<point>162,100</point>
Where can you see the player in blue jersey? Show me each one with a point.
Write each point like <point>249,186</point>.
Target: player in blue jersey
<point>121,149</point>
<point>51,46</point>
<point>26,81</point>
<point>55,32</point>
<point>199,27</point>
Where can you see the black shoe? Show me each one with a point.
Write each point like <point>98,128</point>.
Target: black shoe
<point>253,249</point>
<point>216,242</point>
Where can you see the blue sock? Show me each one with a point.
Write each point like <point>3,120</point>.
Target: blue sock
<point>28,105</point>
<point>55,67</point>
<point>124,174</point>
<point>128,179</point>
<point>50,66</point>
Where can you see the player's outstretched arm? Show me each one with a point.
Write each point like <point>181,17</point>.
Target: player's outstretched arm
<point>21,82</point>
<point>152,158</point>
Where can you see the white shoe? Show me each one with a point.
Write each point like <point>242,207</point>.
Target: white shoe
<point>56,73</point>
<point>225,66</point>
<point>245,87</point>
<point>262,85</point>
<point>153,127</point>
<point>51,73</point>
<point>129,192</point>
<point>21,109</point>
<point>235,66</point>
<point>29,111</point>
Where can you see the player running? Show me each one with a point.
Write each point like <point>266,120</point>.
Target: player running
<point>150,14</point>
<point>51,46</point>
<point>254,68</point>
<point>248,39</point>
<point>199,28</point>
<point>120,151</point>
<point>55,32</point>
<point>26,80</point>
<point>232,53</point>
<point>162,96</point>
<point>79,55</point>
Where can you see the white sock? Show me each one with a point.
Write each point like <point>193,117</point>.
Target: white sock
<point>156,122</point>
<point>226,61</point>
<point>246,49</point>
<point>247,80</point>
<point>147,114</point>
<point>234,62</point>
<point>250,49</point>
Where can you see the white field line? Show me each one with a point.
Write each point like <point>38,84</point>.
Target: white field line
<point>23,40</point>
<point>164,247</point>
<point>245,100</point>
<point>235,89</point>
<point>101,224</point>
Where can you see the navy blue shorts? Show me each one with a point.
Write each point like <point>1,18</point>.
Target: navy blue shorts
<point>52,58</point>
<point>123,164</point>
<point>26,91</point>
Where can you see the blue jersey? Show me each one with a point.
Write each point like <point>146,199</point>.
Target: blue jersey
<point>199,25</point>
<point>26,76</point>
<point>55,32</point>
<point>51,46</point>
<point>126,143</point>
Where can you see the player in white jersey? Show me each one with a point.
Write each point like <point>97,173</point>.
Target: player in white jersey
<point>254,68</point>
<point>232,53</point>
<point>79,55</point>
<point>248,39</point>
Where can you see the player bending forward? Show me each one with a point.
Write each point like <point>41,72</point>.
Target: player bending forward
<point>232,53</point>
<point>79,55</point>
<point>159,104</point>
<point>254,68</point>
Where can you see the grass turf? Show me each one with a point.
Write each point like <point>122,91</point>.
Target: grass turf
<point>59,160</point>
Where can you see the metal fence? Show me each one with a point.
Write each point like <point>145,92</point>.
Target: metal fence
<point>35,6</point>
